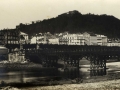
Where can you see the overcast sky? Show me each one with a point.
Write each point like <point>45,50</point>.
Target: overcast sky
<point>13,12</point>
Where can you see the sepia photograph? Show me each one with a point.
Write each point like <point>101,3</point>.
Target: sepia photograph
<point>59,45</point>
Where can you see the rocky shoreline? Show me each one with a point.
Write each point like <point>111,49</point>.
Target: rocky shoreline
<point>101,85</point>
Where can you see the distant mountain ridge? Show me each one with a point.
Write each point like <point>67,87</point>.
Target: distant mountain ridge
<point>75,22</point>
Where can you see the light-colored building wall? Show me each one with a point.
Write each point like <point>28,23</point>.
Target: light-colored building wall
<point>98,40</point>
<point>40,38</point>
<point>24,35</point>
<point>93,40</point>
<point>104,40</point>
<point>113,44</point>
<point>53,41</point>
<point>87,38</point>
<point>83,39</point>
<point>24,38</point>
<point>72,39</point>
<point>33,40</point>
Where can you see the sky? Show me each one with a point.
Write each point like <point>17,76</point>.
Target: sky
<point>14,12</point>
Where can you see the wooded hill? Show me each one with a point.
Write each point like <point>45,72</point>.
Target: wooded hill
<point>74,22</point>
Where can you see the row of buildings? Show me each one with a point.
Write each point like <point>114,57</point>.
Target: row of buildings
<point>13,37</point>
<point>17,37</point>
<point>83,39</point>
<point>74,39</point>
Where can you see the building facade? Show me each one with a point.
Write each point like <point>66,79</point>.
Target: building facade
<point>113,44</point>
<point>9,37</point>
<point>24,38</point>
<point>53,41</point>
<point>83,39</point>
<point>38,38</point>
<point>72,39</point>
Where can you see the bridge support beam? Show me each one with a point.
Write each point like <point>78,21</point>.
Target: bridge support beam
<point>71,67</point>
<point>97,66</point>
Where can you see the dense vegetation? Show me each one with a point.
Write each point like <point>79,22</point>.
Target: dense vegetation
<point>75,22</point>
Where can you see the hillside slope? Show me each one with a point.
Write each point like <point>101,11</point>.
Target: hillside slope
<point>75,22</point>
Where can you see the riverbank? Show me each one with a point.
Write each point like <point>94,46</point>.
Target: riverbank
<point>92,83</point>
<point>101,85</point>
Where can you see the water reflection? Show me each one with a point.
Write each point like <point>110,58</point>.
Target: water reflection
<point>10,76</point>
<point>23,76</point>
<point>34,75</point>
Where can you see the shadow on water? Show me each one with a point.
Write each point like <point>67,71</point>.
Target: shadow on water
<point>35,75</point>
<point>47,76</point>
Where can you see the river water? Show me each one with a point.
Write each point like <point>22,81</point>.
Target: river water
<point>30,74</point>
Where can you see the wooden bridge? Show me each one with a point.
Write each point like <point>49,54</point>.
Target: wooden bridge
<point>48,55</point>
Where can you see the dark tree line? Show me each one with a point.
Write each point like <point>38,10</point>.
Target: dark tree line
<point>75,22</point>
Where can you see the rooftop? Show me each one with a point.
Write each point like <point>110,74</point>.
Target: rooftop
<point>22,33</point>
<point>1,47</point>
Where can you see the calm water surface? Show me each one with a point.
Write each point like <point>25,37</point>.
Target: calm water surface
<point>33,75</point>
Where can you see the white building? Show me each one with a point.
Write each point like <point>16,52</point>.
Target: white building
<point>33,40</point>
<point>98,40</point>
<point>72,39</point>
<point>83,39</point>
<point>87,38</point>
<point>53,41</point>
<point>24,35</point>
<point>24,38</point>
<point>39,38</point>
<point>113,44</point>
<point>93,40</point>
